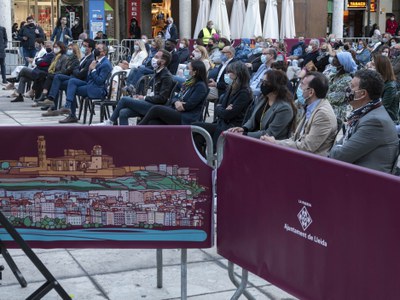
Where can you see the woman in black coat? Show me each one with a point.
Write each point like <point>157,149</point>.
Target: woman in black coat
<point>134,29</point>
<point>187,105</point>
<point>232,106</point>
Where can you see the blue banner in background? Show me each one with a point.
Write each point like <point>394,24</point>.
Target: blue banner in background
<point>96,17</point>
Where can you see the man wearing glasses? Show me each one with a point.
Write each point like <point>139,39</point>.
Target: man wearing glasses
<point>316,131</point>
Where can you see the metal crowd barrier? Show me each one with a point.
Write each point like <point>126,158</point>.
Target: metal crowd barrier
<point>14,56</point>
<point>315,227</point>
<point>153,192</point>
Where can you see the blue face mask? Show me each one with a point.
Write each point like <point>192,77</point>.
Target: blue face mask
<point>186,74</point>
<point>224,58</point>
<point>70,52</point>
<point>300,97</point>
<point>83,50</point>
<point>360,47</point>
<point>228,80</point>
<point>333,70</point>
<point>263,58</point>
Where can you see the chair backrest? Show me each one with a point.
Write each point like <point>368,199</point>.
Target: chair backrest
<point>203,115</point>
<point>174,90</point>
<point>143,84</point>
<point>119,53</point>
<point>396,160</point>
<point>115,85</point>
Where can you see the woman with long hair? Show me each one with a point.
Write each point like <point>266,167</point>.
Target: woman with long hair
<point>187,105</point>
<point>390,98</point>
<point>232,106</point>
<point>200,53</point>
<point>274,114</point>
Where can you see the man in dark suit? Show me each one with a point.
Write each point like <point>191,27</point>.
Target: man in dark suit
<point>217,84</point>
<point>371,140</point>
<point>60,81</point>
<point>94,87</point>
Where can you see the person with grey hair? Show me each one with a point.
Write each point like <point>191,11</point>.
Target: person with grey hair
<point>217,84</point>
<point>311,53</point>
<point>171,32</point>
<point>371,140</point>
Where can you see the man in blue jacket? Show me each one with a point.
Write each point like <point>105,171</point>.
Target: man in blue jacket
<point>27,35</point>
<point>94,87</point>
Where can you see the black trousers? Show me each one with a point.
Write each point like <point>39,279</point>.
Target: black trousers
<point>161,115</point>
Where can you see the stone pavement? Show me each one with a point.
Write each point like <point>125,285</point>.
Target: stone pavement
<point>118,274</point>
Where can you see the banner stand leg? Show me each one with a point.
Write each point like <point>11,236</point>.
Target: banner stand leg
<point>13,266</point>
<point>51,282</point>
<point>159,255</point>
<point>183,274</point>
<point>241,288</point>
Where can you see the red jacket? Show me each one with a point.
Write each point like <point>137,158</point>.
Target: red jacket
<point>391,26</point>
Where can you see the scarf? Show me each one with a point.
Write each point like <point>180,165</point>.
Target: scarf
<point>185,87</point>
<point>52,67</point>
<point>357,114</point>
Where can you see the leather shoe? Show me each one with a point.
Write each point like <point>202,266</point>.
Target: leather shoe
<point>12,79</point>
<point>51,113</point>
<point>18,99</point>
<point>69,119</point>
<point>45,107</point>
<point>41,98</point>
<point>65,111</point>
<point>48,102</point>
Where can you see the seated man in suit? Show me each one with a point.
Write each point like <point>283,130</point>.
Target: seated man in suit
<point>138,106</point>
<point>60,81</point>
<point>316,131</point>
<point>371,140</point>
<point>94,87</point>
<point>217,84</point>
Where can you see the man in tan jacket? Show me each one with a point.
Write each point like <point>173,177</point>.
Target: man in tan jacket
<point>316,131</point>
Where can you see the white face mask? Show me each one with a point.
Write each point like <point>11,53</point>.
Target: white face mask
<point>154,63</point>
<point>197,55</point>
<point>330,59</point>
<point>181,45</point>
<point>385,54</point>
<point>309,49</point>
<point>136,47</point>
<point>56,50</point>
<point>144,41</point>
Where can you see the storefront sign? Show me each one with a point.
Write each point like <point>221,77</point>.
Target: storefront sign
<point>133,11</point>
<point>361,5</point>
<point>96,17</point>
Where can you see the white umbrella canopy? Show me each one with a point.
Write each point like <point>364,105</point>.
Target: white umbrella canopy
<point>237,18</point>
<point>271,25</point>
<point>202,17</point>
<point>252,21</point>
<point>288,29</point>
<point>219,16</point>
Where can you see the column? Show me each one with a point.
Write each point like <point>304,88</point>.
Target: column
<point>5,16</point>
<point>146,18</point>
<point>337,18</point>
<point>185,19</point>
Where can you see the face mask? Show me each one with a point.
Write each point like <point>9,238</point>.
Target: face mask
<point>169,48</point>
<point>392,18</point>
<point>228,80</point>
<point>70,52</point>
<point>154,63</point>
<point>333,70</point>
<point>359,47</point>
<point>96,53</point>
<point>384,40</point>
<point>136,47</point>
<point>197,55</point>
<point>385,54</point>
<point>333,40</point>
<point>350,96</point>
<point>56,50</point>
<point>37,47</point>
<point>309,49</point>
<point>300,97</point>
<point>266,89</point>
<point>76,22</point>
<point>210,46</point>
<point>48,50</point>
<point>393,44</point>
<point>330,59</point>
<point>263,58</point>
<point>186,73</point>
<point>144,41</point>
<point>224,58</point>
<point>181,45</point>
<point>83,50</point>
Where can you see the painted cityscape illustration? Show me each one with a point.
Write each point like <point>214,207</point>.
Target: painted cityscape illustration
<point>86,193</point>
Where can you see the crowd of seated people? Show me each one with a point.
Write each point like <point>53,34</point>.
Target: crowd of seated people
<point>314,97</point>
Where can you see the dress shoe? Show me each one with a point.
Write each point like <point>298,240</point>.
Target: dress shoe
<point>48,102</point>
<point>18,99</point>
<point>41,98</point>
<point>12,79</point>
<point>51,113</point>
<point>69,119</point>
<point>45,107</point>
<point>65,111</point>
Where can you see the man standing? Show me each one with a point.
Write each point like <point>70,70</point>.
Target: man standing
<point>207,32</point>
<point>94,87</point>
<point>371,140</point>
<point>171,32</point>
<point>317,129</point>
<point>27,35</point>
<point>3,46</point>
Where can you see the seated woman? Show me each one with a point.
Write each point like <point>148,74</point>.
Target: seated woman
<point>73,56</point>
<point>138,56</point>
<point>274,114</point>
<point>57,66</point>
<point>232,105</point>
<point>187,105</point>
<point>183,51</point>
<point>199,54</point>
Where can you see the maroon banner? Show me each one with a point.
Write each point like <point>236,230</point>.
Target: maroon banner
<point>315,227</point>
<point>133,11</point>
<point>117,187</point>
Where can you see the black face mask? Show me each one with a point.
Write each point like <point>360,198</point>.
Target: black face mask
<point>96,52</point>
<point>48,50</point>
<point>266,89</point>
<point>169,48</point>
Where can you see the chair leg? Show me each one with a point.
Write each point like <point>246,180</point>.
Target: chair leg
<point>81,104</point>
